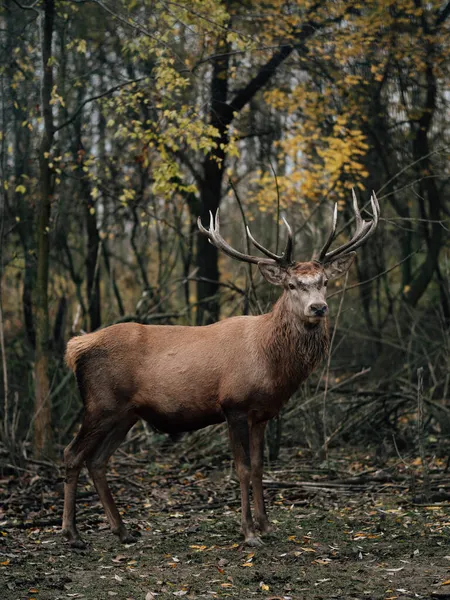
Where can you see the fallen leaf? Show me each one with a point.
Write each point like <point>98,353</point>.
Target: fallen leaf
<point>321,581</point>
<point>446,582</point>
<point>248,564</point>
<point>264,586</point>
<point>119,558</point>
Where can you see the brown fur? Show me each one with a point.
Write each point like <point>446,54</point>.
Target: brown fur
<point>242,370</point>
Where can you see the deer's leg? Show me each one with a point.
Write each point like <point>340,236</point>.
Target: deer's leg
<point>96,464</point>
<point>74,458</point>
<point>257,461</point>
<point>240,444</point>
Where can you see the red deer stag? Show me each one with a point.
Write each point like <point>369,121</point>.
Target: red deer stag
<point>241,370</point>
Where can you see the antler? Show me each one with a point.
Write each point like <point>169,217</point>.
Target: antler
<point>364,229</point>
<point>217,240</point>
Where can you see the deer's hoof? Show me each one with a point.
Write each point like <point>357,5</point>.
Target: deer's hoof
<point>127,538</point>
<point>266,527</point>
<point>74,538</point>
<point>78,543</point>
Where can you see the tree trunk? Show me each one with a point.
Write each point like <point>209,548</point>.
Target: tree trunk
<point>428,191</point>
<point>211,189</point>
<point>42,408</point>
<point>221,116</point>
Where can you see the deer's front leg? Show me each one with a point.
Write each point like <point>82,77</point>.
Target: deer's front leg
<point>240,444</point>
<point>257,463</point>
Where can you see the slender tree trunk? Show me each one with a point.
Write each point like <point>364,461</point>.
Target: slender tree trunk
<point>93,236</point>
<point>429,192</point>
<point>92,260</point>
<point>211,190</point>
<point>19,205</point>
<point>42,408</point>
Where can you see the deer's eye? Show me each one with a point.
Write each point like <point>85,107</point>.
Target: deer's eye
<point>325,283</point>
<point>291,286</point>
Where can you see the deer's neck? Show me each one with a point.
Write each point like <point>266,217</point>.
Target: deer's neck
<point>293,347</point>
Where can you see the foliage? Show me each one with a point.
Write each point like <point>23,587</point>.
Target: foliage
<point>158,106</point>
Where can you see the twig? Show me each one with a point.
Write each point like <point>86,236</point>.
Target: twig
<point>324,403</point>
<point>355,285</point>
<point>420,432</point>
<point>247,241</point>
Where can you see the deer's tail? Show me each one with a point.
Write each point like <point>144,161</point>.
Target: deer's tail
<point>77,347</point>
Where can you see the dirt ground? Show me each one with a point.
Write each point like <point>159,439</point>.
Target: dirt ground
<point>345,530</point>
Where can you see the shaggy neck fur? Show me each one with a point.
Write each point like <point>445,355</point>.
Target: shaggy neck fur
<point>294,347</point>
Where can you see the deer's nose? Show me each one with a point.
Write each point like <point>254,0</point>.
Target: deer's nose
<point>319,309</point>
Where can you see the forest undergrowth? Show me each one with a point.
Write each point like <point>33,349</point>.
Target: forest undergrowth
<point>344,528</point>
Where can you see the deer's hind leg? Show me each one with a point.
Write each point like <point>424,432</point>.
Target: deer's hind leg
<point>100,434</point>
<point>96,463</point>
<point>74,458</point>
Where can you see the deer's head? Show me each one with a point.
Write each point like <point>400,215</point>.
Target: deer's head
<point>304,283</point>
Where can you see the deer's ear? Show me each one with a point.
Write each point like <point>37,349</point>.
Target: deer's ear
<point>340,266</point>
<point>274,274</point>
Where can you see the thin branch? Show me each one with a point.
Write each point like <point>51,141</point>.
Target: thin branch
<point>250,272</point>
<point>355,285</point>
<point>132,23</point>
<point>30,7</point>
<point>327,377</point>
<point>72,118</point>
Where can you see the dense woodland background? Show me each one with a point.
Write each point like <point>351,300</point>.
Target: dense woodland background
<point>123,121</point>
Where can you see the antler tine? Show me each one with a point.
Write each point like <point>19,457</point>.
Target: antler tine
<point>364,229</point>
<point>217,240</point>
<point>286,256</point>
<point>358,217</point>
<point>331,235</point>
<point>372,225</point>
<point>265,251</point>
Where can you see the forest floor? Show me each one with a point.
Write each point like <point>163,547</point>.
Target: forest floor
<point>343,530</point>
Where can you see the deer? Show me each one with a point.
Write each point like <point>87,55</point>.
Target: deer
<point>240,370</point>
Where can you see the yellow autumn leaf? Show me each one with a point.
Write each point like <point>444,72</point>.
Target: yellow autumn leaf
<point>81,47</point>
